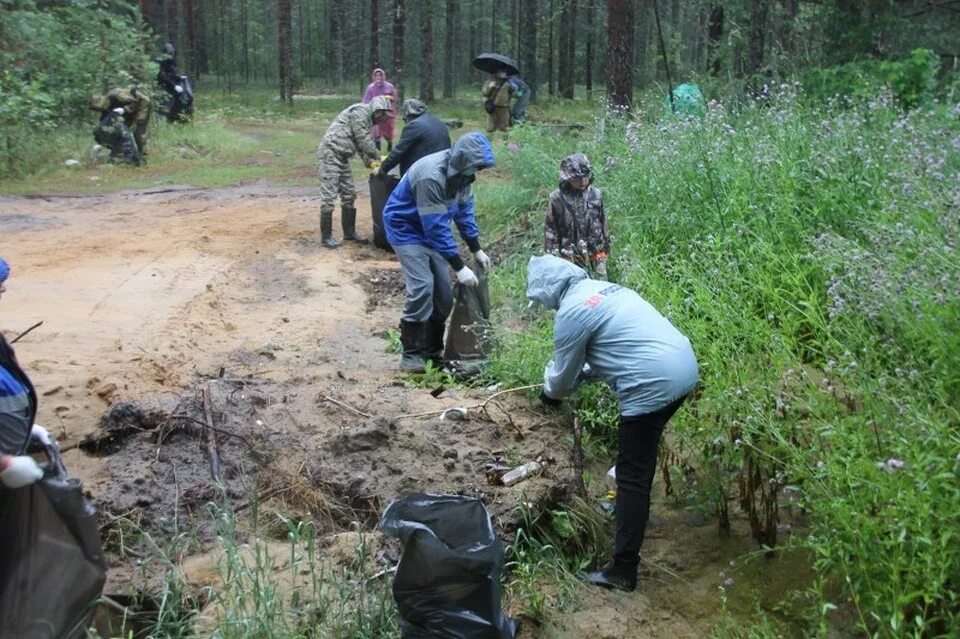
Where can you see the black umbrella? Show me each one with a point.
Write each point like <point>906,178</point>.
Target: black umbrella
<point>493,62</point>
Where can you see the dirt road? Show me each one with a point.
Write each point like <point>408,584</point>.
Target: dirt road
<point>148,296</point>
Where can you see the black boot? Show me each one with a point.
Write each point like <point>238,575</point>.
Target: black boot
<point>326,230</point>
<point>433,346</point>
<point>412,336</point>
<point>348,216</point>
<point>613,575</point>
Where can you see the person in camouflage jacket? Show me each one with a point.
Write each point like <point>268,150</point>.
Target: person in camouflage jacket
<point>349,134</point>
<point>136,113</point>
<point>576,226</point>
<point>113,133</point>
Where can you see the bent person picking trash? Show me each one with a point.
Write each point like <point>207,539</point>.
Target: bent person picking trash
<point>349,133</point>
<point>435,191</point>
<point>647,363</point>
<point>575,227</point>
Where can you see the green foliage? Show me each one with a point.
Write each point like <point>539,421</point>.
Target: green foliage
<point>808,252</point>
<point>54,56</point>
<point>912,80</point>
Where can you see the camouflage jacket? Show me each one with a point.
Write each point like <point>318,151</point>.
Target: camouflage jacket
<point>576,226</point>
<point>134,102</point>
<point>349,132</point>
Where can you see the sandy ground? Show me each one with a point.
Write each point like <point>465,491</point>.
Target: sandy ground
<point>150,294</point>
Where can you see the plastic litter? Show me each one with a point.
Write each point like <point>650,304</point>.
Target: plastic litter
<point>448,579</point>
<point>455,414</point>
<point>520,473</point>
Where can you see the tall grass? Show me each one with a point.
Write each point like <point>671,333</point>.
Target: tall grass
<point>262,588</point>
<point>809,252</point>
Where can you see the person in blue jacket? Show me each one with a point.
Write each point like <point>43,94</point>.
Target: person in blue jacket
<point>609,332</point>
<point>435,191</point>
<point>18,408</point>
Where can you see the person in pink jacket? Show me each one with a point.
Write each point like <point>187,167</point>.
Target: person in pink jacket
<point>380,86</point>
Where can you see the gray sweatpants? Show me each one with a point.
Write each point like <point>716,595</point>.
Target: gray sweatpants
<point>427,277</point>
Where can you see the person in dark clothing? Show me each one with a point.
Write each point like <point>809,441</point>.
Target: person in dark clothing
<point>18,409</point>
<point>422,135</point>
<point>180,103</point>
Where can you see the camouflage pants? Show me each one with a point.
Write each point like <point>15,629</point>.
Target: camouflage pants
<point>112,133</point>
<point>335,181</point>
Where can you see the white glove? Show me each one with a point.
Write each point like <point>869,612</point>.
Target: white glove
<point>39,432</point>
<point>467,277</point>
<point>178,88</point>
<point>601,270</point>
<point>21,471</point>
<point>375,171</point>
<point>483,260</point>
<point>118,110</point>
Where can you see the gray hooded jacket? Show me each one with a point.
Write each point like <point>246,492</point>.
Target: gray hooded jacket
<point>647,362</point>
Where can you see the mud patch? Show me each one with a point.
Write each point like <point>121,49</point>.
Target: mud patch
<point>19,222</point>
<point>160,467</point>
<point>274,280</point>
<point>382,286</point>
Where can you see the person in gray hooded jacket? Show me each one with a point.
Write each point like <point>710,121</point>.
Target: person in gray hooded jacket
<point>609,332</point>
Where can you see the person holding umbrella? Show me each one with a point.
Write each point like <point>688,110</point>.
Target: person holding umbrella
<point>498,91</point>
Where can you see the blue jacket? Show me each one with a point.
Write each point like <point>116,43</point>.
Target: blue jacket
<point>647,362</point>
<point>435,191</point>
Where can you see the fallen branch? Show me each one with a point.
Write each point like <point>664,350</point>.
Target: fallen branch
<point>578,484</point>
<point>481,405</point>
<point>355,411</point>
<point>24,334</point>
<point>213,455</point>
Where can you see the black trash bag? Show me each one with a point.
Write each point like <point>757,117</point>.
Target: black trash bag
<point>381,186</point>
<point>448,580</point>
<point>466,336</point>
<point>51,567</point>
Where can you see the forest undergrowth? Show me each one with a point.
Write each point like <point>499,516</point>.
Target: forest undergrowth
<point>809,251</point>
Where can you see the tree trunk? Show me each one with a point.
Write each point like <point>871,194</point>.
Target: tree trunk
<point>756,43</point>
<point>588,62</point>
<point>528,43</point>
<point>284,51</point>
<point>620,56</point>
<point>714,35</point>
<point>246,49</point>
<point>551,78</point>
<point>786,27</point>
<point>375,34</point>
<point>398,20</point>
<point>448,51</point>
<point>426,43</point>
<point>566,74</point>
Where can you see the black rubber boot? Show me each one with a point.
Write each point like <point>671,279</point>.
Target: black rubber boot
<point>433,345</point>
<point>613,575</point>
<point>412,336</point>
<point>348,216</point>
<point>326,230</point>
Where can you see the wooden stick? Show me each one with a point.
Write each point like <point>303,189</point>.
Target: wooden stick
<point>23,334</point>
<point>348,407</point>
<point>213,455</point>
<point>578,484</point>
<point>482,404</point>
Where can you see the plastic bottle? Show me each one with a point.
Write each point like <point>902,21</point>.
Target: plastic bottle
<point>521,472</point>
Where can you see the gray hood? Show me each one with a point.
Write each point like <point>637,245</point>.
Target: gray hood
<point>412,109</point>
<point>471,150</point>
<point>549,277</point>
